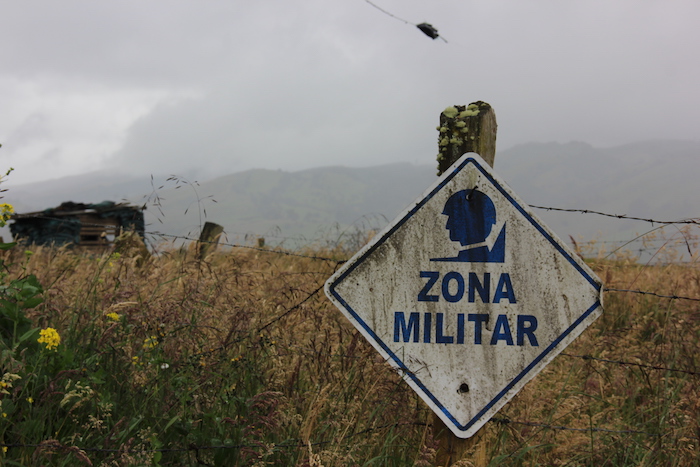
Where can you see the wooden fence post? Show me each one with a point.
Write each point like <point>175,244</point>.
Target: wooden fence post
<point>209,238</point>
<point>463,129</point>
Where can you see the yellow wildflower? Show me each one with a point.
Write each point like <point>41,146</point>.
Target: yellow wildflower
<point>50,337</point>
<point>6,382</point>
<point>150,342</point>
<point>30,400</point>
<point>114,316</point>
<point>6,211</point>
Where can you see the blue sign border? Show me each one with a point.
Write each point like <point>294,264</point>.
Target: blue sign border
<point>403,220</point>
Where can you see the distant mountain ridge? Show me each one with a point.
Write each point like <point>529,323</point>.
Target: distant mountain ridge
<point>655,179</point>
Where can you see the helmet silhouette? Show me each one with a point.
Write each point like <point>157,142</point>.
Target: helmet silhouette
<point>470,216</point>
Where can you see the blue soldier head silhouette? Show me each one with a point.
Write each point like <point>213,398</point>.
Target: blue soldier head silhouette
<point>470,216</point>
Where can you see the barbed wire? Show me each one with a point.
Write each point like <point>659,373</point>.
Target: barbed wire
<point>655,294</point>
<point>257,332</point>
<point>695,221</point>
<point>506,421</point>
<point>295,307</point>
<point>290,350</point>
<point>341,261</point>
<point>250,247</point>
<point>637,239</point>
<point>690,221</point>
<point>627,363</point>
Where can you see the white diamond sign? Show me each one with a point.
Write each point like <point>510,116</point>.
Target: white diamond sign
<point>467,294</point>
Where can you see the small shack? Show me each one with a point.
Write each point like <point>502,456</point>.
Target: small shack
<point>93,226</point>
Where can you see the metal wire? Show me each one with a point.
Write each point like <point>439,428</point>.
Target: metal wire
<point>626,363</point>
<point>619,216</point>
<point>645,292</point>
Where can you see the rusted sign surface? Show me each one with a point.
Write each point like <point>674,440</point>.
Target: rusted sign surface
<point>467,294</point>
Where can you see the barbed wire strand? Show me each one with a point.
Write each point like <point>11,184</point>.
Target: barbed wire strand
<point>295,307</point>
<point>627,363</point>
<point>691,221</point>
<point>619,216</point>
<point>646,292</point>
<point>506,421</point>
<point>249,247</point>
<point>339,261</point>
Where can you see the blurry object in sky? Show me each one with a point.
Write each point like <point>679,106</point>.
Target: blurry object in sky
<point>427,28</point>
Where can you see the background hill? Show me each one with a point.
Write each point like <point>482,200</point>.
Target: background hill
<point>651,180</point>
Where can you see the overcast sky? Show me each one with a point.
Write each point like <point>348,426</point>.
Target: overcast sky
<point>219,86</point>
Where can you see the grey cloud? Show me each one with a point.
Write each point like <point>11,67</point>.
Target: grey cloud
<point>296,84</point>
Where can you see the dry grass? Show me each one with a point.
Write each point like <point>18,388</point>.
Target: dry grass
<point>651,414</point>
<point>242,352</point>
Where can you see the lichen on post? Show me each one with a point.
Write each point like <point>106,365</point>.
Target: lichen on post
<point>463,129</point>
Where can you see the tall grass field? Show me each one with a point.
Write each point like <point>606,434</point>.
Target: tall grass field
<point>116,359</point>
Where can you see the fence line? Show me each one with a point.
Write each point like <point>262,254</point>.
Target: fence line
<point>506,421</point>
<point>626,363</point>
<point>583,357</point>
<point>249,247</point>
<point>645,292</point>
<point>619,216</point>
<point>691,221</point>
<point>339,261</point>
